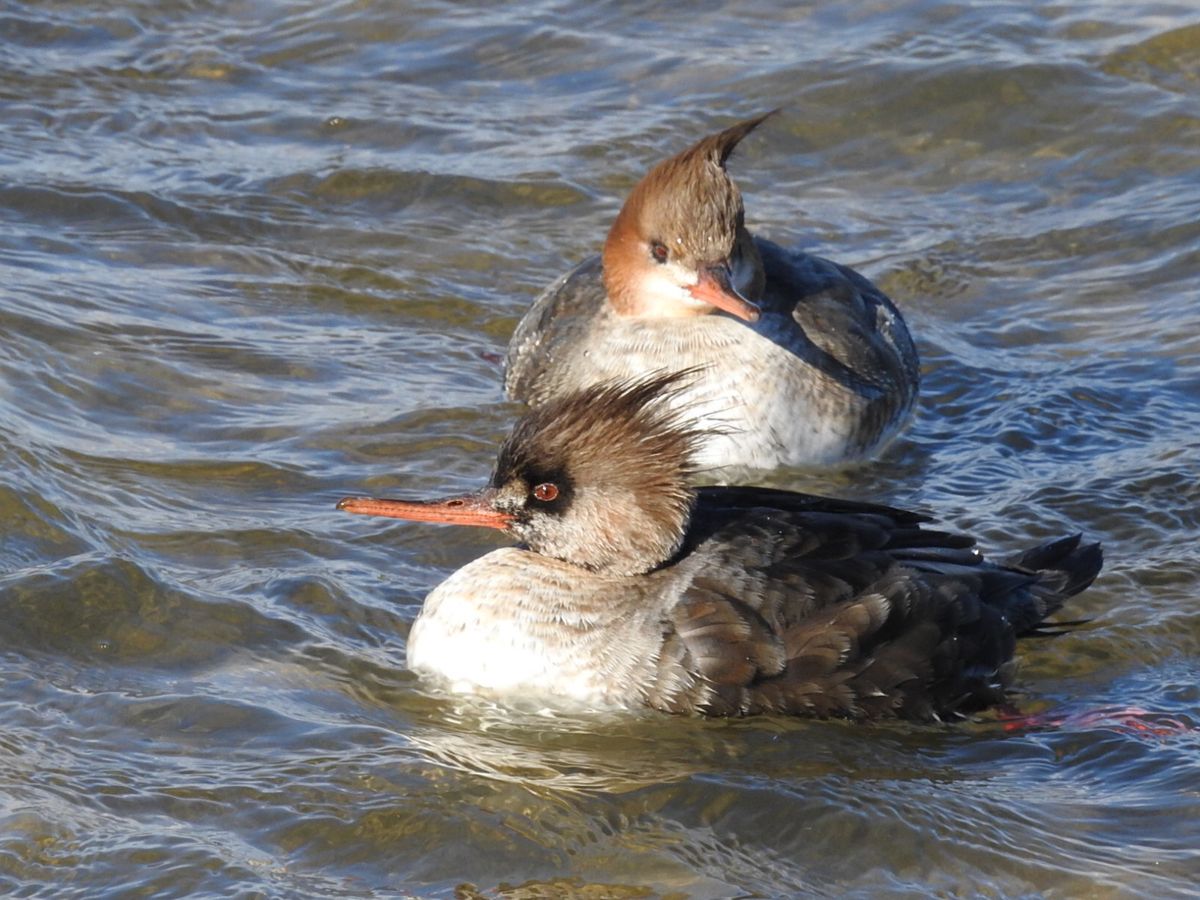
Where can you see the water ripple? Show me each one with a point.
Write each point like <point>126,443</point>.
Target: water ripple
<point>258,257</point>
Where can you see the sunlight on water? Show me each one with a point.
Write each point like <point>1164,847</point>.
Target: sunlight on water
<point>260,256</point>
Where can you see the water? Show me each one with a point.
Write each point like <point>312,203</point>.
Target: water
<point>256,256</point>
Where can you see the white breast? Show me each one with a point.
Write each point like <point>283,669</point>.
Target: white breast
<point>512,623</point>
<point>765,406</point>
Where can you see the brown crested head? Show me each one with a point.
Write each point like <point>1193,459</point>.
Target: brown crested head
<point>684,219</point>
<point>600,478</point>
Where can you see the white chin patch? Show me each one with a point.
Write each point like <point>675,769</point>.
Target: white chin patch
<point>664,292</point>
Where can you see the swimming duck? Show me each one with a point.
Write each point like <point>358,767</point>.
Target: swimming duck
<point>803,361</point>
<point>633,588</point>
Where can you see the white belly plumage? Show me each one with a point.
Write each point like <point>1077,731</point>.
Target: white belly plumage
<point>504,624</point>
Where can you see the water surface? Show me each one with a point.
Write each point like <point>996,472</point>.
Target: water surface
<point>259,255</point>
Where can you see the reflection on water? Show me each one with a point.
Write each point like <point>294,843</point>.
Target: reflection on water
<point>257,257</point>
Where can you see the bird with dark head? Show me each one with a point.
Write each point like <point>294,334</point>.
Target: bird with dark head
<point>825,368</point>
<point>634,588</point>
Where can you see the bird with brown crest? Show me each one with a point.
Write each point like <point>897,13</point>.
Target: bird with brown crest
<point>803,361</point>
<point>633,588</point>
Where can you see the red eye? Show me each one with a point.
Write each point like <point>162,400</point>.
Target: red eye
<point>659,251</point>
<point>546,492</point>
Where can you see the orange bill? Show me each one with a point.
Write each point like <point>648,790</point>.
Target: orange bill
<point>715,287</point>
<point>467,509</point>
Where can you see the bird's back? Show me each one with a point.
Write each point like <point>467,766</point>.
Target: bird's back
<point>553,333</point>
<point>811,606</point>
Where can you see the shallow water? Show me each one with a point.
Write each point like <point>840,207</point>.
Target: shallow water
<point>256,256</point>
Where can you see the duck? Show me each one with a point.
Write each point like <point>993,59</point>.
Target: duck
<point>630,587</point>
<point>804,362</point>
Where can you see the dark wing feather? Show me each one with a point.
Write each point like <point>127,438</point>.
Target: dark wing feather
<point>810,606</point>
<point>852,332</point>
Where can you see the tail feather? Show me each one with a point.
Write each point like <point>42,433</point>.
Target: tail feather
<point>1064,568</point>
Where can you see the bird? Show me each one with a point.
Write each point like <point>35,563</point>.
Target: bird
<point>632,587</point>
<point>804,361</point>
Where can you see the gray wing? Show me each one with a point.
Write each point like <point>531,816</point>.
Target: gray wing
<point>852,331</point>
<point>550,325</point>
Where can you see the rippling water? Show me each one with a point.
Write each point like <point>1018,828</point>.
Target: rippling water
<point>259,255</point>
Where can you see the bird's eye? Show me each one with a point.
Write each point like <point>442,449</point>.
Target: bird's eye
<point>546,492</point>
<point>659,251</point>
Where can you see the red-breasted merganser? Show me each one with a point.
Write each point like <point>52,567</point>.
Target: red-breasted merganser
<point>805,361</point>
<point>633,588</point>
